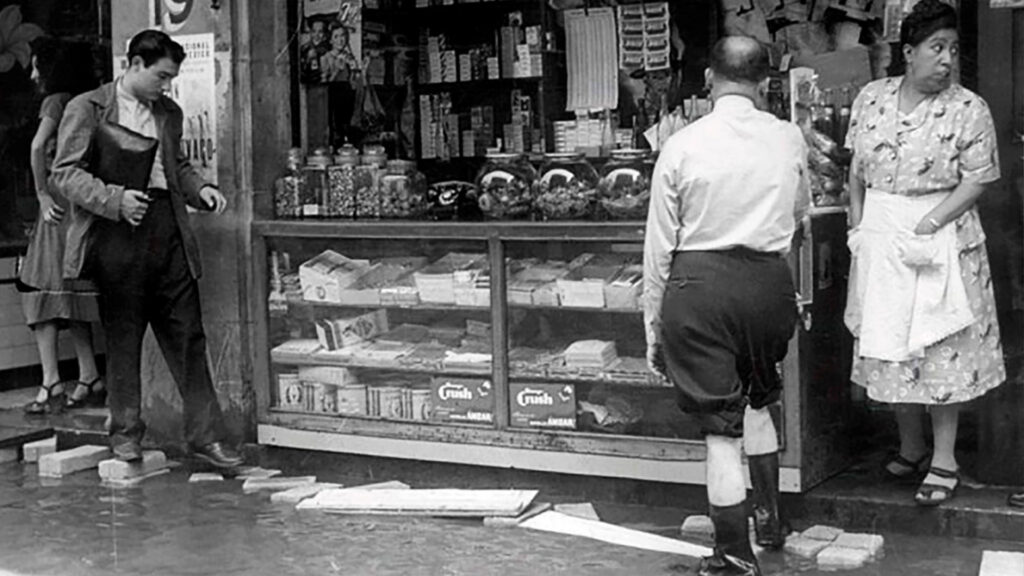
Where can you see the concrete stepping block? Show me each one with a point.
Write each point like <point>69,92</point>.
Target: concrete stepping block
<point>873,543</point>
<point>32,451</point>
<point>300,493</point>
<point>804,547</point>
<point>135,480</point>
<point>698,526</point>
<point>584,510</point>
<point>840,558</point>
<point>246,472</point>
<point>70,461</point>
<point>206,477</point>
<point>114,469</point>
<point>1001,563</point>
<point>279,483</point>
<point>821,532</point>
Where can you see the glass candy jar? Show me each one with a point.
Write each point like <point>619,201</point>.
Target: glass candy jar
<point>314,200</point>
<point>567,187</point>
<point>504,186</point>
<point>288,189</point>
<point>402,190</point>
<point>625,186</point>
<point>367,182</point>
<point>341,199</point>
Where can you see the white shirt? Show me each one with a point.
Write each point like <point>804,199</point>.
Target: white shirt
<point>137,115</point>
<point>735,178</point>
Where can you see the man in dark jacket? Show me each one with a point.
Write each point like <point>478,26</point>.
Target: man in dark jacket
<point>139,249</point>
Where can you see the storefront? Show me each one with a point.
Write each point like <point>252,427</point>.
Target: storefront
<point>480,304</point>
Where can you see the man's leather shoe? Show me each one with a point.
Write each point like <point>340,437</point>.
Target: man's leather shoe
<point>218,455</point>
<point>128,451</point>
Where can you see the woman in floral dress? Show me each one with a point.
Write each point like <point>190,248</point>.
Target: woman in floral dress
<point>931,143</point>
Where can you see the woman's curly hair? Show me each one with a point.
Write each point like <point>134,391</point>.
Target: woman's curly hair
<point>926,18</point>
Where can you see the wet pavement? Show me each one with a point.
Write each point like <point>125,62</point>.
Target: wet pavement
<point>168,526</point>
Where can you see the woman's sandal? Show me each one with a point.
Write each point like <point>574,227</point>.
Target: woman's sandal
<point>934,494</point>
<point>52,404</point>
<point>93,397</point>
<point>914,470</point>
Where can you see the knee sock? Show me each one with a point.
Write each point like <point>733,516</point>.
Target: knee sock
<point>759,437</point>
<point>725,483</point>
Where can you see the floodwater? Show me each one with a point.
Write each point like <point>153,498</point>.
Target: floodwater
<point>167,526</point>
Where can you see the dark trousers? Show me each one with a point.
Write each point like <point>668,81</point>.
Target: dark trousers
<point>727,318</point>
<point>144,280</point>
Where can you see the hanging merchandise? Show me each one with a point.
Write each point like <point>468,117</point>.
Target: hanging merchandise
<point>591,57</point>
<point>330,47</point>
<point>744,18</point>
<point>644,36</point>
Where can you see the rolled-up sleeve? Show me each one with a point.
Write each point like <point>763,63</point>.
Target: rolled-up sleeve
<point>979,153</point>
<point>662,233</point>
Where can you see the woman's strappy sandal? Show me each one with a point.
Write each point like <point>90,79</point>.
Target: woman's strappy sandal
<point>52,404</point>
<point>934,494</point>
<point>93,397</point>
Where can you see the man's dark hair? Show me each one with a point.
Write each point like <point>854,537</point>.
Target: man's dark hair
<point>152,45</point>
<point>740,59</point>
<point>926,18</point>
<point>64,67</point>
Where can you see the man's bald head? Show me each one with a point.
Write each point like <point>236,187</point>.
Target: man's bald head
<point>740,59</point>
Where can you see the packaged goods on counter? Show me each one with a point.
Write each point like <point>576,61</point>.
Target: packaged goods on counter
<point>406,334</point>
<point>624,290</point>
<point>584,285</point>
<point>366,289</point>
<point>590,354</point>
<point>465,400</point>
<point>472,287</point>
<point>504,186</point>
<point>340,332</point>
<point>541,405</point>
<point>625,185</point>
<point>335,375</point>
<point>325,397</point>
<point>298,350</point>
<point>436,281</point>
<point>385,402</point>
<point>567,187</point>
<point>536,284</point>
<point>401,292</point>
<point>290,393</point>
<point>323,276</point>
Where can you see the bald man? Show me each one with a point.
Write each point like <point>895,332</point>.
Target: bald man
<point>727,195</point>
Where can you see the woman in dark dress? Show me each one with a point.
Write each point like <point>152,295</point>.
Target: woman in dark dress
<point>61,72</point>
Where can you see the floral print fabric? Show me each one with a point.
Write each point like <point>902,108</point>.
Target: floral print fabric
<point>947,139</point>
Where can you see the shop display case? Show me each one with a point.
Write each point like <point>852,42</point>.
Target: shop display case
<point>513,344</point>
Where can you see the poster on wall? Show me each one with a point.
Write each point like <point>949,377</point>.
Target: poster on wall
<point>330,45</point>
<point>195,91</point>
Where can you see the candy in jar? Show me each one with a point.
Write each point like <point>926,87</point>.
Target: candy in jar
<point>402,191</point>
<point>341,198</point>
<point>567,187</point>
<point>288,188</point>
<point>314,198</point>
<point>504,186</point>
<point>625,185</point>
<point>367,182</point>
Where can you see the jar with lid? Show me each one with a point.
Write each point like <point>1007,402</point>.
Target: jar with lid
<point>341,199</point>
<point>504,186</point>
<point>314,201</point>
<point>625,186</point>
<point>367,181</point>
<point>403,190</point>
<point>288,189</point>
<point>567,187</point>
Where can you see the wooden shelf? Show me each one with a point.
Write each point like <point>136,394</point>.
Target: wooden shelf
<point>382,367</point>
<point>612,231</point>
<point>456,307</point>
<point>496,83</point>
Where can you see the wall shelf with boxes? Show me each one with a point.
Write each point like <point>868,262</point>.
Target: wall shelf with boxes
<point>489,343</point>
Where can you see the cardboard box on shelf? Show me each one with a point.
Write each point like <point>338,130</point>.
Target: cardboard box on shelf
<point>623,292</point>
<point>436,282</point>
<point>462,399</point>
<point>543,405</point>
<point>340,332</point>
<point>323,276</point>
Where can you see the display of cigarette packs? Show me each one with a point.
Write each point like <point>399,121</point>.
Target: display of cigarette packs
<point>462,400</point>
<point>472,287</point>
<point>406,334</point>
<point>542,405</point>
<point>290,393</point>
<point>436,282</point>
<point>644,36</point>
<point>323,276</point>
<point>298,350</point>
<point>583,287</point>
<point>536,285</point>
<point>365,291</point>
<point>401,292</point>
<point>624,290</point>
<point>340,332</point>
